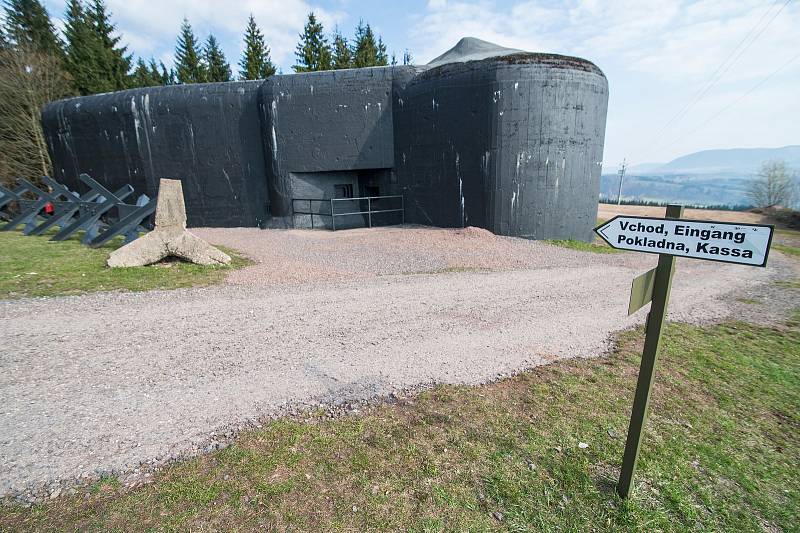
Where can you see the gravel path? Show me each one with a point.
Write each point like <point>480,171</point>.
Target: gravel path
<point>104,382</point>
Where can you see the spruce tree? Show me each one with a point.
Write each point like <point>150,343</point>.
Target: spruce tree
<point>367,52</point>
<point>113,65</point>
<point>150,74</point>
<point>142,76</point>
<point>217,68</point>
<point>82,50</point>
<point>313,53</point>
<point>28,25</point>
<point>342,58</point>
<point>256,63</point>
<point>159,72</point>
<point>188,67</point>
<point>381,58</point>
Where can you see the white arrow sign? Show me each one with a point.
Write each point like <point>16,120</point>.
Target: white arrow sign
<point>746,244</point>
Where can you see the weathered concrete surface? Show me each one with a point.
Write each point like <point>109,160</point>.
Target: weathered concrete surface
<point>208,135</point>
<point>169,238</point>
<point>471,49</point>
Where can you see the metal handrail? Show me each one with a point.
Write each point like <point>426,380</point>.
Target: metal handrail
<point>369,212</point>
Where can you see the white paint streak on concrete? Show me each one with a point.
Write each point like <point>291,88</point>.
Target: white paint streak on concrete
<point>274,107</point>
<point>461,190</point>
<point>228,179</point>
<point>135,119</point>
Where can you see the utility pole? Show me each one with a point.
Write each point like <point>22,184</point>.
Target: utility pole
<point>621,173</point>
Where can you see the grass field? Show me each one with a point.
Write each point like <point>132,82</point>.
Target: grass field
<point>36,266</point>
<point>720,454</point>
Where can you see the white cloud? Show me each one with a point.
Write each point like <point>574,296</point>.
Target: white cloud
<point>657,55</point>
<point>152,29</point>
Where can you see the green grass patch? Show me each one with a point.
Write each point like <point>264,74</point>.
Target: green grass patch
<point>598,246</point>
<point>788,250</point>
<point>36,266</point>
<point>719,454</point>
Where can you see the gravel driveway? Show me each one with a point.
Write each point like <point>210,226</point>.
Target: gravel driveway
<point>101,383</point>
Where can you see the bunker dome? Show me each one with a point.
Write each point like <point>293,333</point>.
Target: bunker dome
<point>485,136</point>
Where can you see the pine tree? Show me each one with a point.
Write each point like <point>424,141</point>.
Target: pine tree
<point>113,64</point>
<point>159,72</point>
<point>28,25</point>
<point>149,74</point>
<point>407,57</point>
<point>217,67</point>
<point>82,50</point>
<point>256,63</point>
<point>313,53</point>
<point>381,58</point>
<point>188,67</point>
<point>142,76</point>
<point>342,58</point>
<point>367,52</point>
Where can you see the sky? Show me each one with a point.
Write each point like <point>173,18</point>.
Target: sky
<point>683,75</point>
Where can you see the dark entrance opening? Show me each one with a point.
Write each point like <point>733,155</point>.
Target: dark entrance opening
<point>344,190</point>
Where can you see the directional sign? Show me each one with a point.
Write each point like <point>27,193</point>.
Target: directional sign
<point>641,291</point>
<point>672,236</point>
<point>746,244</point>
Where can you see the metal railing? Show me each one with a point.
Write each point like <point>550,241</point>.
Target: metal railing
<point>332,213</point>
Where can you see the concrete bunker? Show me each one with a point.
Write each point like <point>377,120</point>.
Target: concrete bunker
<point>482,136</point>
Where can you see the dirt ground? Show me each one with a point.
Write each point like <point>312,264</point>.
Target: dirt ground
<point>607,211</point>
<point>104,383</point>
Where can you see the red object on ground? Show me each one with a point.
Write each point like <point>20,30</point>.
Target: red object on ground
<point>48,208</point>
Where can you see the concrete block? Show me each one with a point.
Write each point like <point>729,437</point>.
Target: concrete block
<point>169,238</point>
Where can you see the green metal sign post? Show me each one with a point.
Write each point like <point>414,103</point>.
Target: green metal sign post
<point>669,237</point>
<point>661,285</point>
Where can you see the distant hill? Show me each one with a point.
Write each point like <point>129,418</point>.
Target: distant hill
<point>709,177</point>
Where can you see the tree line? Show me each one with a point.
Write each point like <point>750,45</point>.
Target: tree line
<point>39,64</point>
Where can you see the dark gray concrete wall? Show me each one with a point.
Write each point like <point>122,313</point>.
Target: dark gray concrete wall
<point>511,144</point>
<point>442,132</point>
<point>207,135</point>
<point>549,123</point>
<point>325,121</point>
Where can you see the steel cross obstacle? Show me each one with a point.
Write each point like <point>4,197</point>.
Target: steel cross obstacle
<point>89,213</point>
<point>7,196</point>
<point>64,210</point>
<point>131,218</point>
<point>73,212</point>
<point>29,208</point>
